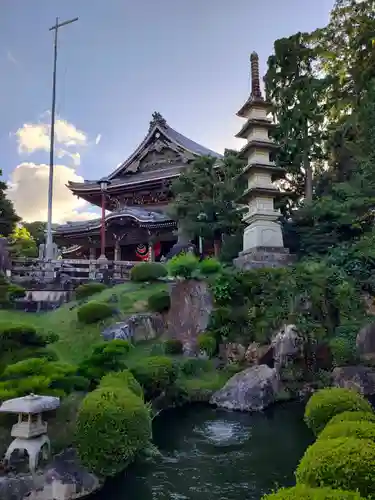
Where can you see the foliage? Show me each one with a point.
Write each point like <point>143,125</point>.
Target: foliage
<point>148,271</point>
<point>155,374</point>
<point>87,289</point>
<point>94,311</point>
<point>209,266</point>
<point>326,403</point>
<point>306,493</point>
<point>343,351</point>
<point>9,292</point>
<point>113,426</point>
<point>359,430</point>
<point>173,346</point>
<point>195,366</point>
<point>184,265</point>
<point>122,380</point>
<point>37,231</point>
<point>22,244</point>
<point>8,216</point>
<point>346,463</point>
<point>15,291</point>
<point>159,302</point>
<point>207,343</point>
<point>352,416</point>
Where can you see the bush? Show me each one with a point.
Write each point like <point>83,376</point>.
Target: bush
<point>155,374</point>
<point>159,301</point>
<point>192,367</point>
<point>16,292</point>
<point>148,271</point>
<point>93,312</point>
<point>353,416</point>
<point>306,493</point>
<point>359,430</point>
<point>207,343</point>
<point>113,426</point>
<point>184,266</point>
<point>346,463</point>
<point>326,403</point>
<point>88,289</point>
<point>173,346</point>
<point>122,380</point>
<point>343,351</point>
<point>209,266</point>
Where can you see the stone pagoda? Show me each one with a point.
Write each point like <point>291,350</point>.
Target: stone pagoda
<point>262,240</point>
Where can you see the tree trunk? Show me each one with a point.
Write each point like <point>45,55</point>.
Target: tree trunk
<point>217,246</point>
<point>308,177</point>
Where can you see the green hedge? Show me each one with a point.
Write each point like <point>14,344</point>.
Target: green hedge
<point>304,492</point>
<point>159,301</point>
<point>155,374</point>
<point>113,426</point>
<point>94,311</point>
<point>148,271</point>
<point>185,266</point>
<point>122,380</point>
<point>359,430</point>
<point>353,416</point>
<point>173,346</point>
<point>209,265</point>
<point>326,403</point>
<point>346,463</point>
<point>87,289</point>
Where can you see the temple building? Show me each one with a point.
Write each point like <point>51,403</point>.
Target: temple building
<point>134,199</point>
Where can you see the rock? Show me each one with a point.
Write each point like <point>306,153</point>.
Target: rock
<point>366,343</point>
<point>252,389</point>
<point>234,353</point>
<point>257,354</point>
<point>138,327</point>
<point>288,345</point>
<point>359,378</point>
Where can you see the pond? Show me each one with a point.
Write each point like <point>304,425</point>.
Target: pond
<point>209,454</point>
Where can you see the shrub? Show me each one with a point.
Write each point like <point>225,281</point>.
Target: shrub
<point>173,346</point>
<point>88,289</point>
<point>353,416</point>
<point>122,380</point>
<point>113,426</point>
<point>343,351</point>
<point>159,301</point>
<point>209,266</point>
<point>346,463</point>
<point>326,403</point>
<point>359,430</point>
<point>155,374</point>
<point>207,343</point>
<point>304,492</point>
<point>184,266</point>
<point>192,367</point>
<point>148,271</point>
<point>16,292</point>
<point>93,312</point>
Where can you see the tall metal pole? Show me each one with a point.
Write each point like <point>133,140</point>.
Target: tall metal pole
<point>49,243</point>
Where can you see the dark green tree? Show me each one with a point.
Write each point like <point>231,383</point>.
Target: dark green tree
<point>8,216</point>
<point>37,230</point>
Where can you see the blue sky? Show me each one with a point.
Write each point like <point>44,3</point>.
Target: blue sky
<point>120,62</point>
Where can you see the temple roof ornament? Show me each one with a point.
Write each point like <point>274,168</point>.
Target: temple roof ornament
<point>157,119</point>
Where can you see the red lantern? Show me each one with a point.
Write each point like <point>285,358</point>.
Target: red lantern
<point>142,252</point>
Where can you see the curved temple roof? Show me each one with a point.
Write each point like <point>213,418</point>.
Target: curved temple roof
<point>144,217</point>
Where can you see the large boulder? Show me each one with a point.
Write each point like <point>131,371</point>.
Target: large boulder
<point>250,390</point>
<point>366,343</point>
<point>138,327</point>
<point>288,345</point>
<point>359,378</point>
<point>257,354</point>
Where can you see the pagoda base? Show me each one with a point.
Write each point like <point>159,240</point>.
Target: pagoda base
<point>263,232</point>
<point>260,257</point>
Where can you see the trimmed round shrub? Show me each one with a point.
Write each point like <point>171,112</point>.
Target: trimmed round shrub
<point>148,271</point>
<point>159,301</point>
<point>122,380</point>
<point>155,374</point>
<point>346,463</point>
<point>88,289</point>
<point>173,346</point>
<point>113,426</point>
<point>359,430</point>
<point>94,311</point>
<point>326,403</point>
<point>207,343</point>
<point>184,265</point>
<point>301,491</point>
<point>192,367</point>
<point>210,265</point>
<point>353,416</point>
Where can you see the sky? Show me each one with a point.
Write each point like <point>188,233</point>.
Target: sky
<point>121,61</point>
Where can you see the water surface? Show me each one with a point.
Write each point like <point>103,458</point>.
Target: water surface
<point>210,454</point>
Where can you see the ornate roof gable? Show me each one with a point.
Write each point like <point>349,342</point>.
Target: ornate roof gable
<point>162,147</point>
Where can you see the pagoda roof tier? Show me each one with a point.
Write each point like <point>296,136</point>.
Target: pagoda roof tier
<point>162,154</point>
<point>254,144</point>
<point>252,123</point>
<point>141,216</point>
<point>275,171</point>
<point>253,102</point>
<point>256,191</point>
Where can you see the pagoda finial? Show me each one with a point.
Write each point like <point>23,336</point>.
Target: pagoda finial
<point>256,94</point>
<point>157,119</point>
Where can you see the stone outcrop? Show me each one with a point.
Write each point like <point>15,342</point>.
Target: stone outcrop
<point>138,327</point>
<point>250,390</point>
<point>288,345</point>
<point>257,354</point>
<point>234,353</point>
<point>189,314</point>
<point>366,343</point>
<point>359,378</point>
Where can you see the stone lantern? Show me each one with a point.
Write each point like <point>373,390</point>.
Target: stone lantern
<point>30,432</point>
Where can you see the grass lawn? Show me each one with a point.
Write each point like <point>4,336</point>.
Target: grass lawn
<point>76,339</point>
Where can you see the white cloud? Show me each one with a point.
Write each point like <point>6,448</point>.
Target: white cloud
<point>28,188</point>
<point>98,139</point>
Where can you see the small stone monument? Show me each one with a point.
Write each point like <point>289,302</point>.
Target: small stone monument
<point>30,432</point>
